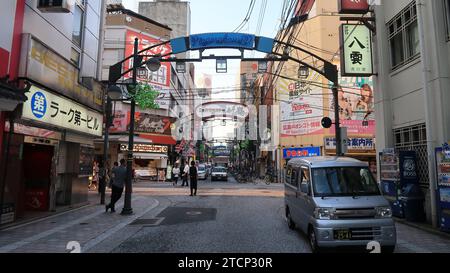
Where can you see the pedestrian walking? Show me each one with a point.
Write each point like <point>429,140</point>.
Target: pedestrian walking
<point>94,181</point>
<point>102,176</point>
<point>185,175</point>
<point>120,175</point>
<point>176,174</point>
<point>193,172</point>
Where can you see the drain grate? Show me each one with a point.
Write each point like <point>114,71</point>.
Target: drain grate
<point>146,222</point>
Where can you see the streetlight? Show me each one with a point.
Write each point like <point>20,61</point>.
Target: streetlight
<point>115,93</point>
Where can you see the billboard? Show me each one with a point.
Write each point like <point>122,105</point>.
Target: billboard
<point>356,105</point>
<point>158,78</point>
<point>353,6</point>
<point>301,106</point>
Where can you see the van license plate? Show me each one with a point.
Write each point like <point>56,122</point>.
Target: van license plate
<point>343,234</point>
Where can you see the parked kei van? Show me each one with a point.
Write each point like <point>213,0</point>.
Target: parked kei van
<point>337,202</point>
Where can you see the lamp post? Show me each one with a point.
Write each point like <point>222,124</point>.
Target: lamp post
<point>127,209</point>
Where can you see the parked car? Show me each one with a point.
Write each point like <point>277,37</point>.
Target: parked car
<point>219,173</point>
<point>202,172</point>
<point>337,202</point>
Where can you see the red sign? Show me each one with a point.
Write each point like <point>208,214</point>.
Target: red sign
<point>353,6</point>
<point>36,199</point>
<point>304,7</point>
<point>160,77</point>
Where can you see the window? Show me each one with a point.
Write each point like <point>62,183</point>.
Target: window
<point>344,181</point>
<point>404,40</point>
<point>77,31</point>
<point>447,17</point>
<point>414,138</point>
<point>294,181</point>
<point>305,176</point>
<point>75,57</point>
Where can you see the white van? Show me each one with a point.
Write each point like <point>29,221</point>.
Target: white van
<point>337,202</point>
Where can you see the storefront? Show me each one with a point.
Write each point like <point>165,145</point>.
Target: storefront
<point>150,160</point>
<point>361,148</point>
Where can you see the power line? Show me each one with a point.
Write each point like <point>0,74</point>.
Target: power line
<point>247,16</point>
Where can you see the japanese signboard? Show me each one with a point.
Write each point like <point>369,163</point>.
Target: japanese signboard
<point>356,50</point>
<point>301,106</point>
<point>353,6</point>
<point>301,152</point>
<point>160,77</point>
<point>50,69</point>
<point>354,144</point>
<point>151,124</point>
<point>145,148</point>
<point>222,109</point>
<point>54,110</point>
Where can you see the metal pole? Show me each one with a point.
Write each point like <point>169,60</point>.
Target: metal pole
<point>337,123</point>
<point>105,150</point>
<point>127,210</point>
<point>5,163</point>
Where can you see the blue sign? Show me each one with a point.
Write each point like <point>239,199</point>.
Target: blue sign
<point>301,152</point>
<point>39,105</point>
<point>222,40</point>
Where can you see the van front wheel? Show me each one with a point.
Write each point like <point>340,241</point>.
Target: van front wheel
<point>313,240</point>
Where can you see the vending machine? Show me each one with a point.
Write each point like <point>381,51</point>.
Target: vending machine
<point>443,186</point>
<point>397,170</point>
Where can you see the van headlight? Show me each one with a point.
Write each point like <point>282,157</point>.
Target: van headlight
<point>384,212</point>
<point>325,213</point>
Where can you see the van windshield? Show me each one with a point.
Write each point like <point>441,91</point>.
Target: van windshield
<point>344,181</point>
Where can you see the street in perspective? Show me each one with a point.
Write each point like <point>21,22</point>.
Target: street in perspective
<point>245,127</point>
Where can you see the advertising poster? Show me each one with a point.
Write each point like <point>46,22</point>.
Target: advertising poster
<point>301,106</point>
<point>356,105</point>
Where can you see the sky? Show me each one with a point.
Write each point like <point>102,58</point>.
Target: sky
<point>226,16</point>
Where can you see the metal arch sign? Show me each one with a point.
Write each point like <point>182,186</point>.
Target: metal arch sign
<point>222,109</point>
<point>222,40</point>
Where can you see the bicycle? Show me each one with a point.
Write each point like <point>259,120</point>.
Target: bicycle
<point>270,178</point>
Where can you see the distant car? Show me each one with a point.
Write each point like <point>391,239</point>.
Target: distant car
<point>202,172</point>
<point>219,173</point>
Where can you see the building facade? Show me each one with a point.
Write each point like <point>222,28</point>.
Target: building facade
<point>52,147</point>
<point>411,88</point>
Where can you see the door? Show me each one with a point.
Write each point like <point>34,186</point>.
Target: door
<point>289,191</point>
<point>37,164</point>
<point>304,198</point>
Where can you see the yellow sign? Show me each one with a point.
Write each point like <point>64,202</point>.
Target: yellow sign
<point>55,110</point>
<point>53,71</point>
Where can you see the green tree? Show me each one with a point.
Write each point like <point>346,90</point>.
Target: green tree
<point>145,96</point>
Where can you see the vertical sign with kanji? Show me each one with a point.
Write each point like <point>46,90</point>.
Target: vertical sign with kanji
<point>356,50</point>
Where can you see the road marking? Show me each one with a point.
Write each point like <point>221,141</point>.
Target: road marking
<point>90,244</point>
<point>29,240</point>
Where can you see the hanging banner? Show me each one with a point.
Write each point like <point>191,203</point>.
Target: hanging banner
<point>356,50</point>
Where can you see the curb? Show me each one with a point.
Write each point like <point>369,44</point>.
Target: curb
<point>423,228</point>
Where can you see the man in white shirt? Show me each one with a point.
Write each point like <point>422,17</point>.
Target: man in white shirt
<point>185,175</point>
<point>176,174</point>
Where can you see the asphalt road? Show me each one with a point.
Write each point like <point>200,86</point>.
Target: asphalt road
<point>249,219</point>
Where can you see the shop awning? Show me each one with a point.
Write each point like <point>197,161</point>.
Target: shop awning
<point>149,156</point>
<point>160,139</point>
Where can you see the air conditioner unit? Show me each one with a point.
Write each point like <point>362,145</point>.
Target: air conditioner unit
<point>55,6</point>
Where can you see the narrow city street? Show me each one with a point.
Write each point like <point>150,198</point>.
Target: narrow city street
<point>225,217</point>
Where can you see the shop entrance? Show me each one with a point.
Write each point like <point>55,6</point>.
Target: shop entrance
<point>37,165</point>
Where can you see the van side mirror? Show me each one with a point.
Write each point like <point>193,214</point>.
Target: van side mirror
<point>304,188</point>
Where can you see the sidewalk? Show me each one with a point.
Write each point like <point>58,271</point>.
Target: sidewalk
<point>87,226</point>
<point>424,227</point>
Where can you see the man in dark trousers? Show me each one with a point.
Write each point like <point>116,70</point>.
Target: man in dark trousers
<point>120,176</point>
<point>193,178</point>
